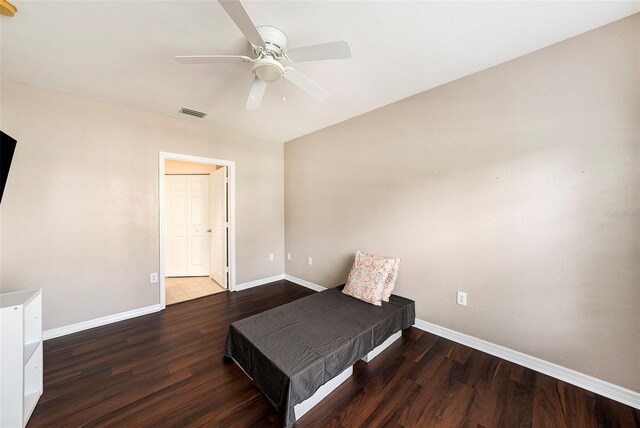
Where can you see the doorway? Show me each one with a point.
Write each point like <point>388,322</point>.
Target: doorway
<point>197,233</point>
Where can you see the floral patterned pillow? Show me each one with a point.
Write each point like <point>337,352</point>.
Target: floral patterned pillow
<point>367,279</point>
<point>390,280</point>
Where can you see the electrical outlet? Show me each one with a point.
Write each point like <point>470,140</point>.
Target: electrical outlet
<point>462,298</point>
<point>310,261</point>
<point>288,256</point>
<point>270,257</point>
<point>153,278</point>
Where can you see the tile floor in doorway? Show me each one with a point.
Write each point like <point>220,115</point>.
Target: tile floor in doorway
<point>184,288</point>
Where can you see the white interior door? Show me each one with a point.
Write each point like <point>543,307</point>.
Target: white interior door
<point>198,225</point>
<point>175,208</point>
<point>187,221</point>
<point>218,221</point>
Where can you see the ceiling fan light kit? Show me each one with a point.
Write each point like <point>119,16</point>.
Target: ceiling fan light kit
<point>268,69</point>
<point>270,47</point>
<point>7,9</point>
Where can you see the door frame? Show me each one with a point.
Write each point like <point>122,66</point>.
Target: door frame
<point>231,207</point>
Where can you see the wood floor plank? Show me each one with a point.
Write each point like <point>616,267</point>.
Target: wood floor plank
<point>166,370</point>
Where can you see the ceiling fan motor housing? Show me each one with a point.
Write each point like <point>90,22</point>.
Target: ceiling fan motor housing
<point>275,40</point>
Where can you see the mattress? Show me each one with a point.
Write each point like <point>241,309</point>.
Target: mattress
<point>292,350</point>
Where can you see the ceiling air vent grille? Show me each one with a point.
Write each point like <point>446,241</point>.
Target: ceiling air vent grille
<point>190,112</point>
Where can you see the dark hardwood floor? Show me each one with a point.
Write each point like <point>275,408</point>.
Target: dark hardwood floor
<point>166,370</point>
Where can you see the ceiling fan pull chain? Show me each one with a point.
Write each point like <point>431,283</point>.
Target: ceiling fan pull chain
<point>284,91</point>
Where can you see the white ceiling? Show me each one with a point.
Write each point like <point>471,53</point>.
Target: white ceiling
<point>122,52</point>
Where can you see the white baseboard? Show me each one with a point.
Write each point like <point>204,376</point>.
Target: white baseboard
<point>590,383</point>
<point>258,282</point>
<point>304,283</point>
<point>97,322</point>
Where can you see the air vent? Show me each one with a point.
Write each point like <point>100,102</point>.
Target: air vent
<point>192,112</point>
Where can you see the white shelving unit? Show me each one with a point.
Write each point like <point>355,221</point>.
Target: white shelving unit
<point>20,356</point>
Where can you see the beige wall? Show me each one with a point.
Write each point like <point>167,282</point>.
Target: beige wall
<point>519,185</point>
<point>80,211</point>
<point>181,167</point>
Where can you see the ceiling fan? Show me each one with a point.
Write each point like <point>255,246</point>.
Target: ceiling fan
<point>270,47</point>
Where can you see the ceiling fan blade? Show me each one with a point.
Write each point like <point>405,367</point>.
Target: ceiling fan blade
<point>255,95</point>
<point>331,50</point>
<point>306,84</point>
<point>210,59</point>
<point>241,18</point>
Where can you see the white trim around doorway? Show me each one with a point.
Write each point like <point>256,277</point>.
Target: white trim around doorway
<point>231,206</point>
